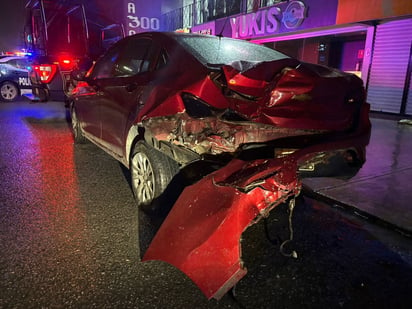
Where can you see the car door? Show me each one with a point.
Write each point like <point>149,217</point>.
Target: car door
<point>24,82</point>
<point>121,103</point>
<point>90,94</point>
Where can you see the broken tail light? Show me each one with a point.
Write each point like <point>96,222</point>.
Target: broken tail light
<point>45,72</point>
<point>197,108</point>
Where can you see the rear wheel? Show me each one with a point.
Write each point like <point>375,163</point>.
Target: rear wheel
<point>9,91</point>
<point>151,173</point>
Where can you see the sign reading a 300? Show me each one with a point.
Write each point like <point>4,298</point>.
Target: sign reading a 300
<point>137,23</point>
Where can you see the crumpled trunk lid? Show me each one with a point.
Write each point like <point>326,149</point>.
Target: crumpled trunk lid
<point>292,94</point>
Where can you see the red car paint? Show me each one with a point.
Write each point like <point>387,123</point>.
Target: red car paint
<point>284,114</point>
<point>202,234</point>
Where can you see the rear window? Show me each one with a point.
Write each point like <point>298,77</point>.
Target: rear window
<point>212,50</point>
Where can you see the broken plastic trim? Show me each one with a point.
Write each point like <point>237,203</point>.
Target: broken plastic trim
<point>197,108</point>
<point>201,235</point>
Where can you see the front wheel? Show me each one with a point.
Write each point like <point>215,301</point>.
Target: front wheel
<point>77,132</point>
<point>9,91</point>
<point>151,173</point>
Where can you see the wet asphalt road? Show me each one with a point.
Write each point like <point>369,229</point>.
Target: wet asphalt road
<point>69,235</point>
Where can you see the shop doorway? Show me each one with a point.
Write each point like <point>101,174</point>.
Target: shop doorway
<point>341,51</point>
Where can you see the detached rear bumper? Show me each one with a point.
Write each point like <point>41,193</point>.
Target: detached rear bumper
<point>201,235</point>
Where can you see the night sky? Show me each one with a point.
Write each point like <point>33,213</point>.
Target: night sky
<point>11,24</point>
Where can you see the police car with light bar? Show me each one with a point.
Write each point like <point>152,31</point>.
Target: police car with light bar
<point>14,77</point>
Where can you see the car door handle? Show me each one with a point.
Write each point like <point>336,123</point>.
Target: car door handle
<point>131,87</point>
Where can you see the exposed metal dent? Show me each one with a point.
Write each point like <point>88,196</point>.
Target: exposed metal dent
<point>214,136</point>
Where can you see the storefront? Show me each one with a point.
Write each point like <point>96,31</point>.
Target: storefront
<point>371,39</point>
<point>389,75</point>
<point>341,48</point>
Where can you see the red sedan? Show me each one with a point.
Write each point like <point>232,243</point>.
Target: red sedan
<point>242,121</point>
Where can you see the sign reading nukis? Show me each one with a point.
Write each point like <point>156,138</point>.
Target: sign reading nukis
<point>270,20</point>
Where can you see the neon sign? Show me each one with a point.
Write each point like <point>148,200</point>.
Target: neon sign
<point>269,20</point>
<point>140,23</point>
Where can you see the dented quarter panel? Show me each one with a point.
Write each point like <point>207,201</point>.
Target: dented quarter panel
<point>305,97</point>
<point>300,97</point>
<point>212,135</point>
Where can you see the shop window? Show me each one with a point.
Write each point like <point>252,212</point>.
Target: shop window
<point>344,52</point>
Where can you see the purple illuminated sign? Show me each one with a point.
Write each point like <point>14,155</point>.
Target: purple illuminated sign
<point>294,14</point>
<point>283,17</point>
<point>142,16</point>
<point>207,28</point>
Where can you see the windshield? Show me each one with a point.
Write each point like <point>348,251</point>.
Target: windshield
<point>211,50</point>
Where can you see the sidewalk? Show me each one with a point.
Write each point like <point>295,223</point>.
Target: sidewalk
<point>383,187</point>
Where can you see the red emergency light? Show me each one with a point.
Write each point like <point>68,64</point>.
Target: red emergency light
<point>66,63</point>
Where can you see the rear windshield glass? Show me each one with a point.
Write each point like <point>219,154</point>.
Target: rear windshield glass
<point>212,50</point>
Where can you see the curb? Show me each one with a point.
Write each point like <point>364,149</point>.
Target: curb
<point>307,191</point>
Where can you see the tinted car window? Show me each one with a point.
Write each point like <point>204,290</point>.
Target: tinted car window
<point>134,58</point>
<point>215,50</point>
<point>104,67</point>
<point>22,64</point>
<point>11,62</point>
<point>18,63</point>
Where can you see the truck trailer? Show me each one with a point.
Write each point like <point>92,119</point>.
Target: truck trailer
<point>67,34</point>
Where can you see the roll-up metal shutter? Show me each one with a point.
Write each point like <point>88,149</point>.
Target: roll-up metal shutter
<point>408,109</point>
<point>390,60</point>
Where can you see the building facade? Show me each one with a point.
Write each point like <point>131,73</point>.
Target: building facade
<point>370,38</point>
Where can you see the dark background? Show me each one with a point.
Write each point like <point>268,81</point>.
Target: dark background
<point>11,25</point>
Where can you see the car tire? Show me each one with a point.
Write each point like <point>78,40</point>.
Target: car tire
<point>9,91</point>
<point>77,131</point>
<point>151,174</point>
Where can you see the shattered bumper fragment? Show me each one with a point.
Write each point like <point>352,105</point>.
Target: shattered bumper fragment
<point>201,235</point>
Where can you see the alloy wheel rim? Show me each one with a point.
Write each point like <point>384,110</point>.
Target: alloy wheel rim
<point>8,92</point>
<point>143,178</point>
<point>74,123</point>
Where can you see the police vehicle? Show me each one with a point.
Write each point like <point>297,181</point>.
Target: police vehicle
<point>14,77</point>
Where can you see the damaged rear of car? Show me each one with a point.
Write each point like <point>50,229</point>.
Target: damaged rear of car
<point>255,120</point>
<point>255,108</point>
